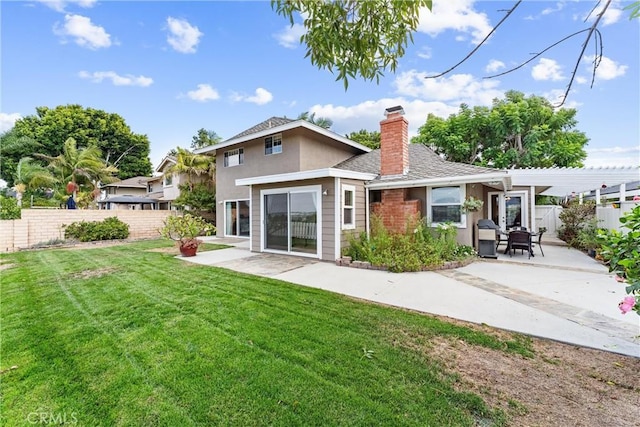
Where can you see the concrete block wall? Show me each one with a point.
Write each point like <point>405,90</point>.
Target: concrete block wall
<point>43,225</point>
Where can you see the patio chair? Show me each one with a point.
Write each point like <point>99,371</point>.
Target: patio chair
<point>519,239</point>
<point>538,239</point>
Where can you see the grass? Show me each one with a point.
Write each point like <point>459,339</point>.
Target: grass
<point>124,335</point>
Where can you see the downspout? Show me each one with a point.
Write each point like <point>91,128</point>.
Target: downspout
<point>366,211</point>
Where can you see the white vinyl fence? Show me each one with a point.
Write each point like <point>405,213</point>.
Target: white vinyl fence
<point>548,216</point>
<point>609,216</point>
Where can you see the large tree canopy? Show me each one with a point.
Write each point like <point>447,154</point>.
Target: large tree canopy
<point>120,147</point>
<point>367,138</point>
<point>516,132</point>
<point>204,138</point>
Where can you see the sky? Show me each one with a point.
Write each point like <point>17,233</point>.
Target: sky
<point>170,68</point>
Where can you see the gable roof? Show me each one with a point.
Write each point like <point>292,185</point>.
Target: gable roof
<point>424,165</point>
<point>167,159</point>
<point>266,125</point>
<point>264,129</point>
<point>135,182</point>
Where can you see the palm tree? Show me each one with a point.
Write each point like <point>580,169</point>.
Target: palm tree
<point>79,167</point>
<point>192,164</point>
<point>30,175</point>
<point>323,122</point>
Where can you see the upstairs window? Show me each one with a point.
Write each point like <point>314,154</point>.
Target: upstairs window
<point>273,145</point>
<point>234,157</point>
<point>168,180</point>
<point>149,188</point>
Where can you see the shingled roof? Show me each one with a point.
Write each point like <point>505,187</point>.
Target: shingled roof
<point>424,163</point>
<point>267,124</point>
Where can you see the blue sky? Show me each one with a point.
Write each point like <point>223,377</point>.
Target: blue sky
<point>171,68</point>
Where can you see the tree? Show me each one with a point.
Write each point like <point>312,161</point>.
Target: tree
<point>366,138</point>
<point>367,37</point>
<point>12,149</point>
<point>355,37</point>
<point>204,138</point>
<point>78,169</point>
<point>323,122</point>
<point>108,132</point>
<point>193,165</point>
<point>31,175</point>
<point>516,132</point>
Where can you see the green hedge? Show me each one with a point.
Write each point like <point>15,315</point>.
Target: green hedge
<point>9,208</point>
<point>90,231</point>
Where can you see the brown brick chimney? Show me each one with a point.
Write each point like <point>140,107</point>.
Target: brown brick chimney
<point>394,143</point>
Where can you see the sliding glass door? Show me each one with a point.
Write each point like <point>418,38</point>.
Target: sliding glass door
<point>236,218</point>
<point>291,220</point>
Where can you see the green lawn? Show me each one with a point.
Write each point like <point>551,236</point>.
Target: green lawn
<point>127,336</point>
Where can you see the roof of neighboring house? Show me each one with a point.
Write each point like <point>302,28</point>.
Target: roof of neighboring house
<point>424,163</point>
<point>266,125</point>
<point>128,199</point>
<point>135,182</point>
<point>167,159</point>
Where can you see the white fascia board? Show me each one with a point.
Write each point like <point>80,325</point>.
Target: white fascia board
<point>310,174</point>
<point>163,162</point>
<point>278,129</point>
<point>457,180</point>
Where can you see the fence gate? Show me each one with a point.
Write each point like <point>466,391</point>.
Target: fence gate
<point>548,216</point>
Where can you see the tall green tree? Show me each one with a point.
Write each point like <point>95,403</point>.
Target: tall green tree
<point>79,168</point>
<point>31,175</point>
<point>367,138</point>
<point>204,138</point>
<point>323,122</point>
<point>193,165</point>
<point>12,149</point>
<point>108,132</point>
<point>516,132</point>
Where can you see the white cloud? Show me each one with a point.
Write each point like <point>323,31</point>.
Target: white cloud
<point>581,80</point>
<point>457,88</point>
<point>547,69</point>
<point>204,93</point>
<point>555,96</point>
<point>60,5</point>
<point>261,97</point>
<point>614,150</point>
<point>290,36</point>
<point>549,10</point>
<point>83,31</point>
<point>117,80</point>
<point>611,16</point>
<point>425,52</point>
<point>494,65</point>
<point>7,120</point>
<point>368,114</point>
<point>612,157</point>
<point>457,15</point>
<point>608,69</point>
<point>183,37</point>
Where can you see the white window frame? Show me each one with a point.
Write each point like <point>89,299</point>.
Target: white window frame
<point>239,152</point>
<point>352,189</point>
<point>430,204</point>
<point>275,144</point>
<point>167,182</point>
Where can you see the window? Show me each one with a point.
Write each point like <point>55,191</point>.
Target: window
<point>446,205</point>
<point>273,145</point>
<point>348,207</point>
<point>168,180</point>
<point>234,157</point>
<point>149,188</point>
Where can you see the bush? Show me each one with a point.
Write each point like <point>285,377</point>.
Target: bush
<point>418,247</point>
<point>9,208</point>
<point>575,217</point>
<point>90,231</point>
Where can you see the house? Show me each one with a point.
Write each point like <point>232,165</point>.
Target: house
<point>130,193</point>
<point>294,187</point>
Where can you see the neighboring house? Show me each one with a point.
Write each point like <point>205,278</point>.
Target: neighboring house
<point>294,187</point>
<point>130,193</point>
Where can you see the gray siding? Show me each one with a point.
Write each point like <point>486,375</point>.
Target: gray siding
<point>361,213</point>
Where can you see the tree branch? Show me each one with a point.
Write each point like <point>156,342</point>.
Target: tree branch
<point>470,54</point>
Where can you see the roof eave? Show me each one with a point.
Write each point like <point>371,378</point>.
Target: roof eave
<point>310,174</point>
<point>501,177</point>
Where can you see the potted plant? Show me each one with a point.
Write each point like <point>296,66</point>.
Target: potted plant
<point>185,230</point>
<point>472,204</point>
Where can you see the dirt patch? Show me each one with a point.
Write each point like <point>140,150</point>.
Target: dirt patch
<point>93,274</point>
<point>6,266</point>
<point>168,250</point>
<point>562,385</point>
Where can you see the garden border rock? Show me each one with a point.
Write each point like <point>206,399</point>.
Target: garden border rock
<point>366,265</point>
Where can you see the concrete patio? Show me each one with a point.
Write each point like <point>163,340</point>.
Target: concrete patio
<point>565,295</point>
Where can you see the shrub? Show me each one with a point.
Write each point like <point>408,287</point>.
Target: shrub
<point>89,231</point>
<point>186,228</point>
<point>574,218</point>
<point>9,208</point>
<point>418,247</point>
